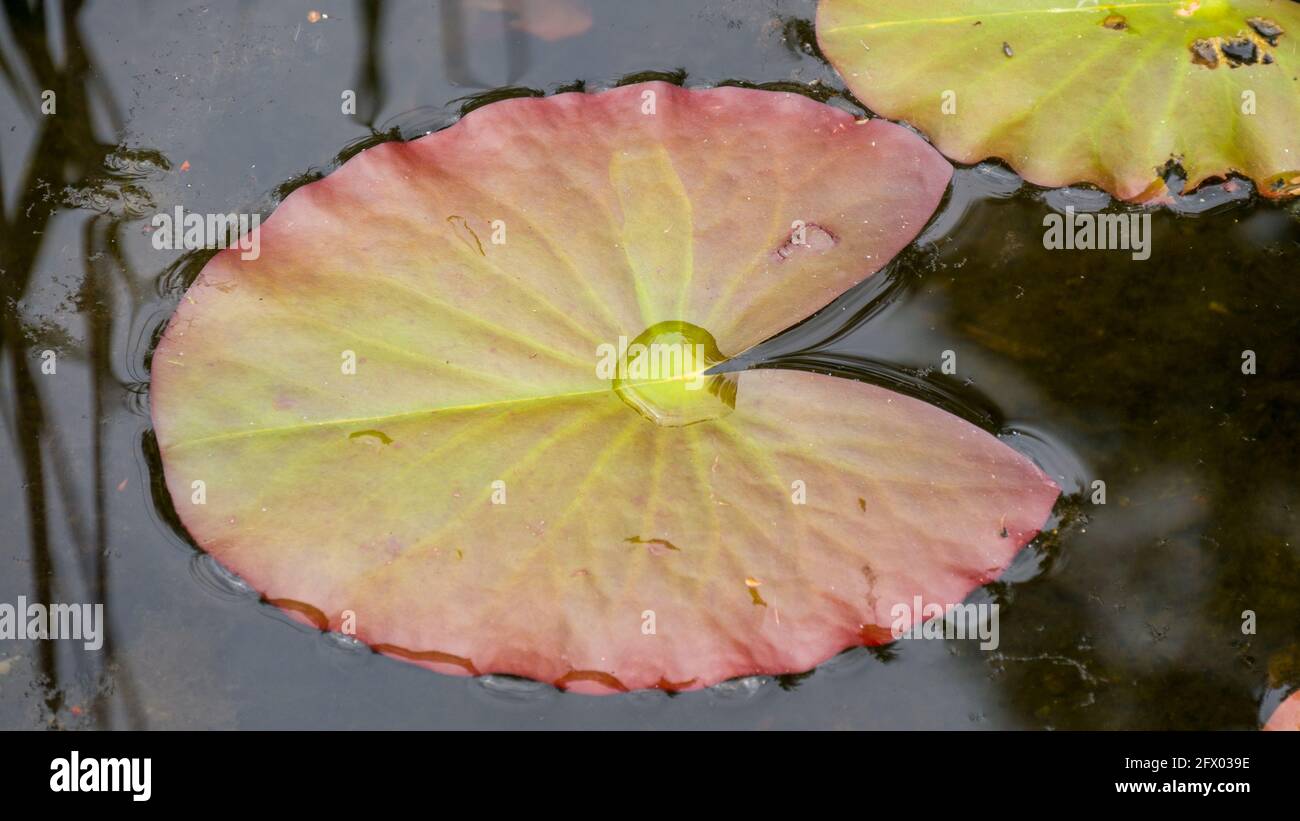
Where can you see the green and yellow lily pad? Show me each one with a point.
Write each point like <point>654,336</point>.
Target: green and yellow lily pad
<point>1070,91</point>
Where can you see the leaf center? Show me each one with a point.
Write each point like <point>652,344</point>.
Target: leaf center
<point>662,374</point>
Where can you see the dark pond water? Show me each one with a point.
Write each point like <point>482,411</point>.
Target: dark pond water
<point>1128,615</point>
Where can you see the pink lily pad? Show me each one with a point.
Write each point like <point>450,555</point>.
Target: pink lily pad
<point>1286,716</point>
<point>402,429</point>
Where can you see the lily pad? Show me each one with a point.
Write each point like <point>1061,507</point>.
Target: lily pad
<point>402,423</point>
<point>1065,91</point>
<point>1286,716</point>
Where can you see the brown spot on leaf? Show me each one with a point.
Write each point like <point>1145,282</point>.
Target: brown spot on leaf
<point>1245,48</point>
<point>460,226</point>
<point>873,635</point>
<point>435,657</point>
<point>1115,22</point>
<point>1266,28</point>
<point>598,676</point>
<point>674,686</point>
<point>1286,183</point>
<point>657,546</point>
<point>870,575</point>
<point>1205,53</point>
<point>303,612</point>
<point>377,434</point>
<point>1240,51</point>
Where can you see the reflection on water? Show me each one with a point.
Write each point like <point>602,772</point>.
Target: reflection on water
<point>61,480</point>
<point>1103,368</point>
